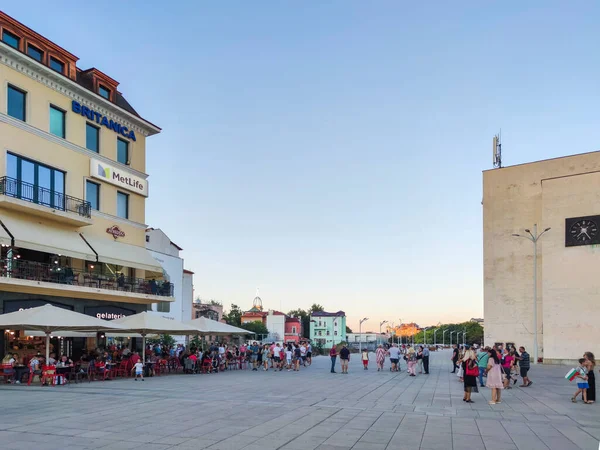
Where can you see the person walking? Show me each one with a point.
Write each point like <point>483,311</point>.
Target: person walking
<point>333,356</point>
<point>454,357</point>
<point>482,361</point>
<point>344,358</point>
<point>471,371</point>
<point>420,358</point>
<point>494,376</point>
<point>411,359</point>
<point>394,353</point>
<point>426,360</point>
<point>524,364</point>
<point>590,365</point>
<point>380,357</point>
<point>507,363</point>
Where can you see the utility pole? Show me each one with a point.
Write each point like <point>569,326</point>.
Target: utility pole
<point>534,237</point>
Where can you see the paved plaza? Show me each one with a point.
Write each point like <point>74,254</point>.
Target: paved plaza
<point>311,409</point>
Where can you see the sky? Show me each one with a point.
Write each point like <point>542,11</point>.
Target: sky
<point>332,152</point>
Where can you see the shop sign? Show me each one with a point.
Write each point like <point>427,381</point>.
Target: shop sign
<point>20,305</point>
<point>108,312</point>
<point>78,108</point>
<point>115,232</point>
<point>113,175</point>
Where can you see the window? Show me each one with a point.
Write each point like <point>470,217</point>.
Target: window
<point>57,65</point>
<point>35,53</point>
<point>57,122</point>
<point>293,330</point>
<point>92,138</point>
<point>92,194</point>
<point>320,333</point>
<point>104,92</point>
<point>148,240</point>
<point>10,39</point>
<point>164,307</point>
<point>122,151</point>
<point>319,323</point>
<point>335,333</point>
<point>123,205</point>
<point>34,182</point>
<point>16,103</point>
<point>327,332</point>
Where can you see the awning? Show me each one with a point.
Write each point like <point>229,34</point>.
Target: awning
<point>115,252</point>
<point>4,237</point>
<point>47,237</point>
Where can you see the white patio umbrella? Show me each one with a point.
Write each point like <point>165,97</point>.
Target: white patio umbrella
<point>51,319</point>
<point>144,324</point>
<point>212,327</point>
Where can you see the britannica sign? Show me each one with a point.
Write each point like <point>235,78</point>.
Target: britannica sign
<point>118,177</point>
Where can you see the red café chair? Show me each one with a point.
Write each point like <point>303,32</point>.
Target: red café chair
<point>8,372</point>
<point>206,366</point>
<point>49,373</point>
<point>122,370</point>
<point>243,363</point>
<point>161,366</point>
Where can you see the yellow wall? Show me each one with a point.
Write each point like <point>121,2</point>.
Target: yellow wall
<point>76,165</point>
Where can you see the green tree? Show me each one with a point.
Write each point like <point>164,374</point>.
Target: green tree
<point>234,316</point>
<point>474,333</point>
<point>256,327</point>
<point>316,308</point>
<point>348,330</point>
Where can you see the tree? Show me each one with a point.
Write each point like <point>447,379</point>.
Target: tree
<point>256,327</point>
<point>234,316</point>
<point>474,333</point>
<point>348,330</point>
<point>316,308</point>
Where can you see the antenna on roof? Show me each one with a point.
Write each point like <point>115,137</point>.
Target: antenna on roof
<point>497,151</point>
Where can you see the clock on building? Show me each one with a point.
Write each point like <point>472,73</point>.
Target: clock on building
<point>582,231</point>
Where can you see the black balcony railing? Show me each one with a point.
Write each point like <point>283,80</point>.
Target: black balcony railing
<point>35,271</point>
<point>44,196</point>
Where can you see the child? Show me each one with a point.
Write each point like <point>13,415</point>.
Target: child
<point>582,386</point>
<point>288,357</point>
<point>365,359</point>
<point>139,370</point>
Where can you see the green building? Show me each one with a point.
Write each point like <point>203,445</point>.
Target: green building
<point>328,328</point>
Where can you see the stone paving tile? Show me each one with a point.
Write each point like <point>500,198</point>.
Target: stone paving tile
<point>367,410</point>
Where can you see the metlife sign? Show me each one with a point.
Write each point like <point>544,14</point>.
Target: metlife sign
<point>118,177</point>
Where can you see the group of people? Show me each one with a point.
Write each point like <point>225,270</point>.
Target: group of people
<point>415,358</point>
<point>20,367</point>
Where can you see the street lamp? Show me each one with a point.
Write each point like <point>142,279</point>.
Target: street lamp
<point>451,333</point>
<point>425,336</point>
<point>400,326</point>
<point>434,338</point>
<point>360,333</point>
<point>464,336</point>
<point>444,337</point>
<point>380,324</point>
<point>534,237</point>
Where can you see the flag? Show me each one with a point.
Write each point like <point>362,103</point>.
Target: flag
<point>572,374</point>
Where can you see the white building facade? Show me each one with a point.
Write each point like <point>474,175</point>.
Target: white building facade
<point>166,253</point>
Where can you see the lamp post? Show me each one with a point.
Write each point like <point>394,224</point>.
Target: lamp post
<point>444,337</point>
<point>380,324</point>
<point>465,337</point>
<point>451,333</point>
<point>392,333</point>
<point>425,336</point>
<point>400,325</point>
<point>360,333</point>
<point>534,237</point>
<point>434,338</point>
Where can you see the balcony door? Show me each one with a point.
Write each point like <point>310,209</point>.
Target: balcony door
<point>34,182</point>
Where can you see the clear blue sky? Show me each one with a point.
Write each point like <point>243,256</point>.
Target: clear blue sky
<point>331,152</point>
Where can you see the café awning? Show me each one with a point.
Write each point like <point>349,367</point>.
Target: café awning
<point>115,252</point>
<point>46,237</point>
<point>214,328</point>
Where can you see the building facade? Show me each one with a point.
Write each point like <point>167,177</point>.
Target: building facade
<point>560,195</point>
<point>167,254</point>
<point>327,328</point>
<point>73,187</point>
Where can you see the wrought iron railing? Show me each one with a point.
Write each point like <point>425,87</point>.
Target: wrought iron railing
<point>36,271</point>
<point>44,196</point>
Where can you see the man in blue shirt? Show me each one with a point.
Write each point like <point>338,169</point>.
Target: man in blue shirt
<point>253,349</point>
<point>426,359</point>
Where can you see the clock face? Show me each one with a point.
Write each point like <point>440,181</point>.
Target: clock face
<point>582,231</point>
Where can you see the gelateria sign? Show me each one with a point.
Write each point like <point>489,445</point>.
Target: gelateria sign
<point>100,119</point>
<point>114,175</point>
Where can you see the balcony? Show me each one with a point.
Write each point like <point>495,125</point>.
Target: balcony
<point>17,275</point>
<point>40,201</point>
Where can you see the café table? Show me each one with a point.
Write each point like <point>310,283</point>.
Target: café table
<point>64,372</point>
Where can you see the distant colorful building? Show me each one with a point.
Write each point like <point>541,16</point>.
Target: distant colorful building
<point>328,328</point>
<point>282,328</point>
